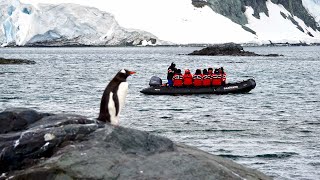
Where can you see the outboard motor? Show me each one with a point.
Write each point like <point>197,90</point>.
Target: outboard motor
<point>155,81</point>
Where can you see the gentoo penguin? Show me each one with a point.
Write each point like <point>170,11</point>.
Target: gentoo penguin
<point>113,98</point>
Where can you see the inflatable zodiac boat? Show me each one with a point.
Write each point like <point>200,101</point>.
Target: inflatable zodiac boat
<point>156,88</point>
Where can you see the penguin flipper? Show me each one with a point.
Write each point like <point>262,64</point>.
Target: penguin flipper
<point>104,114</point>
<point>116,103</point>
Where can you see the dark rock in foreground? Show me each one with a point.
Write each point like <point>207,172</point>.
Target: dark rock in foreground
<point>228,49</point>
<point>64,146</point>
<point>15,61</point>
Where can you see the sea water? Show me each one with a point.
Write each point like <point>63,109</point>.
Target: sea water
<point>275,128</point>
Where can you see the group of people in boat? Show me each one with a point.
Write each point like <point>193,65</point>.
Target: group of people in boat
<point>205,78</point>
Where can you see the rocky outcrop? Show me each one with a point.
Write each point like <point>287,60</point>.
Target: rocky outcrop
<point>15,61</point>
<point>296,8</point>
<point>228,49</point>
<point>65,146</point>
<point>234,10</point>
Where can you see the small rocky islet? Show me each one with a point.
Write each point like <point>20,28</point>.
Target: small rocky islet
<point>36,145</point>
<point>15,61</point>
<point>228,49</point>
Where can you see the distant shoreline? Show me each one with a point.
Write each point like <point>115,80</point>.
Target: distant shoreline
<point>177,45</point>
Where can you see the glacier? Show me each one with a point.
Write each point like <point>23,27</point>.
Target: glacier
<point>64,25</point>
<point>145,22</point>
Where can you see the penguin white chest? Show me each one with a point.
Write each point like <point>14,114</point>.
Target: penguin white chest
<point>121,94</point>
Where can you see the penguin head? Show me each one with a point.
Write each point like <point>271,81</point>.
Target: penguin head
<point>124,73</point>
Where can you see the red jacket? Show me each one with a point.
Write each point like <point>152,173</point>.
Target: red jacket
<point>178,80</point>
<point>197,80</point>
<point>206,80</point>
<point>187,79</point>
<point>216,79</point>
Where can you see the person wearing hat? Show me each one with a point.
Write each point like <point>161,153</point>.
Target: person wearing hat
<point>206,78</point>
<point>197,78</point>
<point>216,78</point>
<point>171,70</point>
<point>187,78</point>
<point>178,79</point>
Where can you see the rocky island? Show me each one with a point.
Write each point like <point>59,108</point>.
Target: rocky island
<point>15,61</point>
<point>228,49</point>
<point>35,145</point>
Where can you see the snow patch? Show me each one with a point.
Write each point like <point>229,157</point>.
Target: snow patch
<point>278,29</point>
<point>307,29</point>
<point>16,143</point>
<point>190,25</point>
<point>49,137</point>
<point>313,7</point>
<point>3,175</point>
<point>45,146</point>
<point>147,43</point>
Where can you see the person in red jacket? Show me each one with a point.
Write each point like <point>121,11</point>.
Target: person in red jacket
<point>187,78</point>
<point>178,79</point>
<point>216,78</point>
<point>223,76</point>
<point>197,78</point>
<point>210,71</point>
<point>206,78</point>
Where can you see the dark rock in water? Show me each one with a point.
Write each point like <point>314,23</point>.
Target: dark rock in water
<point>228,49</point>
<point>270,55</point>
<point>15,61</point>
<point>68,146</point>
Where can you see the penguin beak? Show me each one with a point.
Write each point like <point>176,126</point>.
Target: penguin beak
<point>131,72</point>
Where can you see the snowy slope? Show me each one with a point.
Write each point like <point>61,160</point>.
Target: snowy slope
<point>313,7</point>
<point>64,24</point>
<point>176,21</point>
<point>278,29</point>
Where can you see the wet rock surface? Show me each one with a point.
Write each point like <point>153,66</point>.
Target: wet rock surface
<point>66,146</point>
<point>228,49</point>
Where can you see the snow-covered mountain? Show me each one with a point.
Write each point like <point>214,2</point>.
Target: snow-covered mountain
<point>107,22</point>
<point>64,24</point>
